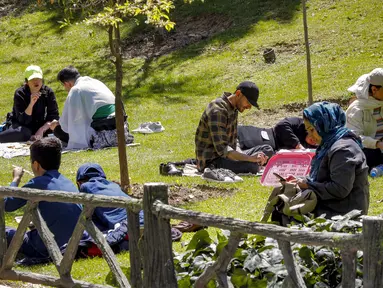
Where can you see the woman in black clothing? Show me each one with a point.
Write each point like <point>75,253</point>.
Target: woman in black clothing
<point>289,133</point>
<point>34,107</point>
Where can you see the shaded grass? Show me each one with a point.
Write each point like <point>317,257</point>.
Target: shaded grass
<point>174,89</point>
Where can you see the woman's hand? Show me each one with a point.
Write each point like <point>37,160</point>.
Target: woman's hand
<point>302,183</point>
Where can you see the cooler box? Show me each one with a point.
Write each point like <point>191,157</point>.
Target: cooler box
<point>287,162</point>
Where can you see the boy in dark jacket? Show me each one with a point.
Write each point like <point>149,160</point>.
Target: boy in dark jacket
<point>112,222</point>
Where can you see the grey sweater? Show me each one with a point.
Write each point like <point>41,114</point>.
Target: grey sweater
<point>342,180</point>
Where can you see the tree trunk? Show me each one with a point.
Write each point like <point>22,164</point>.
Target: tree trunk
<point>114,42</point>
<point>308,59</point>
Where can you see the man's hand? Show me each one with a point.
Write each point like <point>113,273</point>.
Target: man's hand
<point>379,144</point>
<point>53,124</point>
<point>18,173</point>
<point>260,158</point>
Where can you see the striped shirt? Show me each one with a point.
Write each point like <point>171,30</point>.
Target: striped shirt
<point>216,134</point>
<point>379,122</point>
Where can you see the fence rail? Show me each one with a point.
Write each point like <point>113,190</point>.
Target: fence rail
<point>154,255</point>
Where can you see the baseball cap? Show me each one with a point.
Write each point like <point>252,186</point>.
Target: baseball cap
<point>376,77</point>
<point>89,170</point>
<point>33,72</point>
<point>251,92</point>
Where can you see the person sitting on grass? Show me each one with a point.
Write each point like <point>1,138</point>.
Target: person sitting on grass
<point>88,118</point>
<point>34,107</point>
<point>112,222</point>
<point>289,133</point>
<point>339,173</point>
<point>216,135</point>
<point>61,218</point>
<point>365,115</point>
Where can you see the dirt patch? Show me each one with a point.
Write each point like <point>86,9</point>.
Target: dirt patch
<point>187,31</point>
<point>180,195</point>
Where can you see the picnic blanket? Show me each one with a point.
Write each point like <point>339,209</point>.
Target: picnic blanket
<point>10,150</point>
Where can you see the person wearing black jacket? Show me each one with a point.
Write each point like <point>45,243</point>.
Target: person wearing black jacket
<point>34,107</point>
<point>289,133</point>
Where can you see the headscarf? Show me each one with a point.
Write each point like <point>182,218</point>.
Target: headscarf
<point>329,121</point>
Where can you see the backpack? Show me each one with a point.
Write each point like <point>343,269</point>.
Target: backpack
<point>291,201</point>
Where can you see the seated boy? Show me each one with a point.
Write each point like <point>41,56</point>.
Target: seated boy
<point>112,222</point>
<point>61,218</point>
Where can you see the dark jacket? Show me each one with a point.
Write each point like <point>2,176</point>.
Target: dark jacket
<point>45,109</point>
<point>103,217</point>
<point>290,132</point>
<point>61,218</point>
<point>342,180</point>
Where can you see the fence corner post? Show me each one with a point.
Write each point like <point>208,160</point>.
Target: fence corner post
<point>157,253</point>
<point>372,252</point>
<point>3,240</point>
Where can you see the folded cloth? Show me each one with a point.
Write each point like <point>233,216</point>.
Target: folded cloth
<point>185,226</point>
<point>176,234</point>
<point>149,128</point>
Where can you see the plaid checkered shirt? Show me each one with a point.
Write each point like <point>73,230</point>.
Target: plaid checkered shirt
<point>216,134</point>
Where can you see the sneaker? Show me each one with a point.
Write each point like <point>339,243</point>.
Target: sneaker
<point>216,176</point>
<point>231,174</point>
<point>156,127</point>
<point>149,128</point>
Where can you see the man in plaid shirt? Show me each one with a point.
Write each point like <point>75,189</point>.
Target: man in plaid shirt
<point>216,135</point>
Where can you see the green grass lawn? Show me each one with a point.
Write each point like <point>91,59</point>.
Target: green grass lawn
<point>345,38</point>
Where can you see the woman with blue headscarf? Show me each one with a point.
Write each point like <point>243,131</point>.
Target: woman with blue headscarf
<point>339,173</point>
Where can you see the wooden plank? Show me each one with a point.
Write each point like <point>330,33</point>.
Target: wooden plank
<point>70,252</point>
<point>65,197</point>
<point>134,250</point>
<point>35,278</point>
<point>108,254</point>
<point>348,268</point>
<point>3,239</point>
<point>332,239</point>
<point>18,238</point>
<point>157,253</point>
<point>372,252</point>
<point>219,268</point>
<point>47,236</point>
<point>291,266</point>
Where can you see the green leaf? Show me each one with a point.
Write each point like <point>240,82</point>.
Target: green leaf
<point>306,254</point>
<point>256,283</point>
<point>184,282</point>
<point>239,278</point>
<point>200,240</point>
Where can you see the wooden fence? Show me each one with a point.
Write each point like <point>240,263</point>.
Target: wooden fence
<point>154,255</point>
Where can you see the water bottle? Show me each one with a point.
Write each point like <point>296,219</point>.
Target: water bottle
<point>377,171</point>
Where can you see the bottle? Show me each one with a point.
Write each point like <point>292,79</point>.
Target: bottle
<point>377,171</point>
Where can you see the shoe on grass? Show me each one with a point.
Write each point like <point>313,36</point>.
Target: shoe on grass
<point>216,176</point>
<point>231,174</point>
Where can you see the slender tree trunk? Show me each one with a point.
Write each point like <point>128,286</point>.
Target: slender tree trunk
<point>309,81</point>
<point>114,41</point>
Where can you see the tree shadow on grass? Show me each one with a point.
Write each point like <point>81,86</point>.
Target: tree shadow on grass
<point>240,14</point>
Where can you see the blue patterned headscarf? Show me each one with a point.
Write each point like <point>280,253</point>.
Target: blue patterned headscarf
<point>329,121</point>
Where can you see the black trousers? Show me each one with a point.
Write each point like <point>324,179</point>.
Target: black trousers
<point>15,133</point>
<point>243,166</point>
<point>374,157</point>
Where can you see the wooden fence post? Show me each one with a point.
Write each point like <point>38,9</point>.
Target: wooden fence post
<point>291,266</point>
<point>134,250</point>
<point>372,252</point>
<point>157,253</point>
<point>3,240</point>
